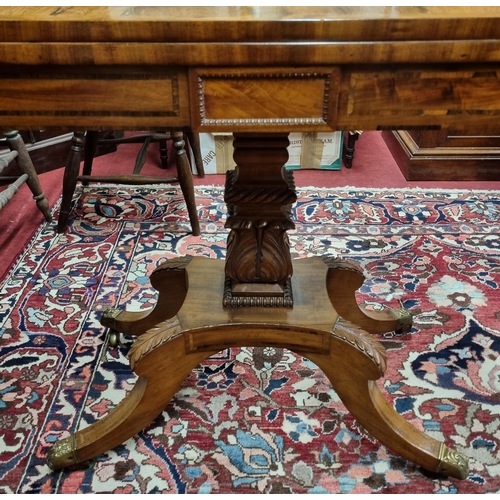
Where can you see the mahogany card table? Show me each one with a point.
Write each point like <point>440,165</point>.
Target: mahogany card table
<point>260,73</point>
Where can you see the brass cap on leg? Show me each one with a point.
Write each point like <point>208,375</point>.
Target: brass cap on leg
<point>404,320</point>
<point>452,463</point>
<point>109,316</point>
<point>63,453</point>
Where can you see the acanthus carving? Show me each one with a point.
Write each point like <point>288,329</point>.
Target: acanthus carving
<point>260,255</point>
<point>258,249</point>
<point>153,338</point>
<point>364,342</point>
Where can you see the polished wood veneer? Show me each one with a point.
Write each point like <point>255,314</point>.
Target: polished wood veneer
<point>420,97</point>
<point>278,98</point>
<point>392,63</point>
<point>259,72</point>
<point>68,96</point>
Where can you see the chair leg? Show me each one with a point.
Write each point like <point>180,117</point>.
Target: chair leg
<point>142,156</point>
<point>90,149</point>
<point>70,179</point>
<point>24,162</point>
<point>352,137</point>
<point>163,154</point>
<point>194,141</point>
<point>186,180</point>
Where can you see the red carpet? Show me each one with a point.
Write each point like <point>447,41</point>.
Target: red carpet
<point>255,420</point>
<point>435,251</point>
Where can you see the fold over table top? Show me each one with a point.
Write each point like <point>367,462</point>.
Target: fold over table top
<point>251,35</point>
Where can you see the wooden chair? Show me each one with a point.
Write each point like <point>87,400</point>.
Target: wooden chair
<point>88,142</point>
<point>19,153</point>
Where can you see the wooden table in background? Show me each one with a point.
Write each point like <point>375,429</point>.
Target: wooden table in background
<point>259,72</point>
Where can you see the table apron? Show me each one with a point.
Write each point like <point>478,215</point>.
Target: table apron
<point>251,99</point>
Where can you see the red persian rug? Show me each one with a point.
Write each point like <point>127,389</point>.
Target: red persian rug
<point>255,420</point>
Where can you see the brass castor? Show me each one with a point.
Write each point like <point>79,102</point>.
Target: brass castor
<point>113,339</point>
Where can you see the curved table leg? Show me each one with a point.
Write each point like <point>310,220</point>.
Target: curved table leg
<point>344,277</point>
<point>350,358</point>
<point>354,382</point>
<point>158,381</point>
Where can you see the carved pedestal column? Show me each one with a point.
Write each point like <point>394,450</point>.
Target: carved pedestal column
<point>259,194</point>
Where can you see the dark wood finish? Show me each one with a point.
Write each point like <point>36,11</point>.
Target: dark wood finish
<point>420,97</point>
<point>48,149</point>
<point>397,80</point>
<point>194,143</point>
<point>442,155</point>
<point>70,178</point>
<point>258,253</point>
<point>134,99</point>
<point>350,146</point>
<point>230,68</point>
<point>201,326</point>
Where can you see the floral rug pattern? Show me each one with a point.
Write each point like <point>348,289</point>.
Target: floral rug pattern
<point>255,420</point>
